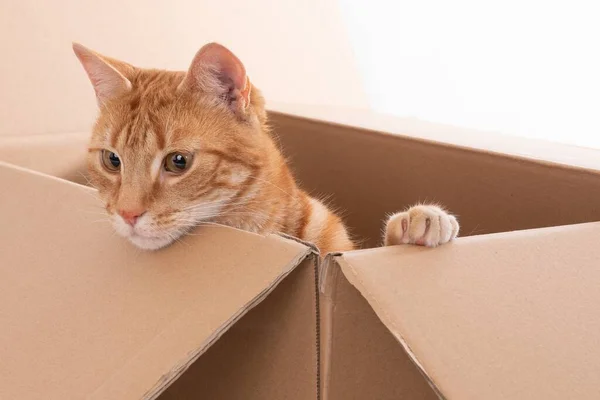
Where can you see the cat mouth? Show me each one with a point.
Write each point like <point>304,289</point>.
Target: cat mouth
<point>144,237</point>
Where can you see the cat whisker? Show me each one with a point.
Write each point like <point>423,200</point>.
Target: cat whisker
<point>275,186</point>
<point>93,193</point>
<point>205,225</point>
<point>87,180</point>
<point>219,202</point>
<point>195,219</point>
<point>237,210</point>
<point>177,239</point>
<point>210,207</point>
<point>475,231</point>
<point>207,203</point>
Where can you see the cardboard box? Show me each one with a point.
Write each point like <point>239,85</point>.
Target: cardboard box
<point>223,314</point>
<point>501,316</point>
<point>473,319</point>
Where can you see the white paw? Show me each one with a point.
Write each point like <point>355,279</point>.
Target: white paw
<point>423,225</point>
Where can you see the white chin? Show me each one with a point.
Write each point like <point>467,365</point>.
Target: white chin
<point>139,239</point>
<point>150,243</point>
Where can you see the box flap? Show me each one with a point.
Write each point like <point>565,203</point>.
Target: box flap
<point>503,316</point>
<point>87,315</point>
<point>271,353</point>
<point>360,358</point>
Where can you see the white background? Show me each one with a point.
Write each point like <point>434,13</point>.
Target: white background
<point>528,68</point>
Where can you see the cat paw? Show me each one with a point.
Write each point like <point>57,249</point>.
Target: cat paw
<point>423,225</point>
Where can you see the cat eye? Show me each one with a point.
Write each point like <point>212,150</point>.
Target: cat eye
<point>178,162</point>
<point>111,161</point>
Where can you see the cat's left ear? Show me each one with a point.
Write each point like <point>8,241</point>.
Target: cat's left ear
<point>216,71</point>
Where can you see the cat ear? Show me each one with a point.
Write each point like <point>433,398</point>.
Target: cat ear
<point>218,72</point>
<point>107,75</point>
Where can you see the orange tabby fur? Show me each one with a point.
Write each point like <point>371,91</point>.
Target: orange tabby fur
<point>236,175</point>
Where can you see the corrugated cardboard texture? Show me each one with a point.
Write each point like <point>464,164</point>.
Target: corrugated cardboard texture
<point>86,315</point>
<point>361,359</point>
<point>507,316</point>
<point>368,174</point>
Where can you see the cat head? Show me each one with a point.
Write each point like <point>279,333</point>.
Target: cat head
<point>171,150</point>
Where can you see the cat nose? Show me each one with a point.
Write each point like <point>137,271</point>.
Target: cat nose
<point>131,216</point>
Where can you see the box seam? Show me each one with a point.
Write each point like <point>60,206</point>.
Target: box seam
<point>317,324</point>
<point>326,326</point>
<point>180,369</point>
<point>182,365</point>
<point>388,321</point>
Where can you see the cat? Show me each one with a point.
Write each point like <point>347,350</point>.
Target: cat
<point>173,150</point>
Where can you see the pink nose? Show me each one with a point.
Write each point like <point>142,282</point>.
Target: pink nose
<point>131,217</point>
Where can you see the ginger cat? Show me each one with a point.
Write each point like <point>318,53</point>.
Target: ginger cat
<point>174,150</point>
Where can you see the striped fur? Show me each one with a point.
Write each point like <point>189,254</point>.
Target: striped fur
<point>237,176</point>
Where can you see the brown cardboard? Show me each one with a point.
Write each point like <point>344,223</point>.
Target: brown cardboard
<point>86,315</point>
<point>504,316</point>
<point>366,173</point>
<point>60,155</point>
<point>369,173</point>
<point>360,357</point>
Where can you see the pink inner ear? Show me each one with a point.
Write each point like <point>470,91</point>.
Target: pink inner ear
<point>216,60</point>
<point>234,70</point>
<point>106,80</point>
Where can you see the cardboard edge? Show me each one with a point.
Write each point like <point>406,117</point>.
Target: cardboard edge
<point>318,327</point>
<point>343,265</point>
<point>193,356</point>
<point>323,275</point>
<point>547,161</point>
<point>303,253</point>
<point>468,240</point>
<point>534,150</point>
<point>44,138</point>
<point>349,272</point>
<point>302,242</point>
<point>318,277</point>
<point>326,312</point>
<point>20,169</point>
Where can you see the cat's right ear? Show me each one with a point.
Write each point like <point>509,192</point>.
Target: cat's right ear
<point>107,80</point>
<point>217,72</point>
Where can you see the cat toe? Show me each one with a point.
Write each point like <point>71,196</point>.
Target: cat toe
<point>422,225</point>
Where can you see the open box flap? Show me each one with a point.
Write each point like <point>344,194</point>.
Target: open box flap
<point>87,315</point>
<point>488,317</point>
